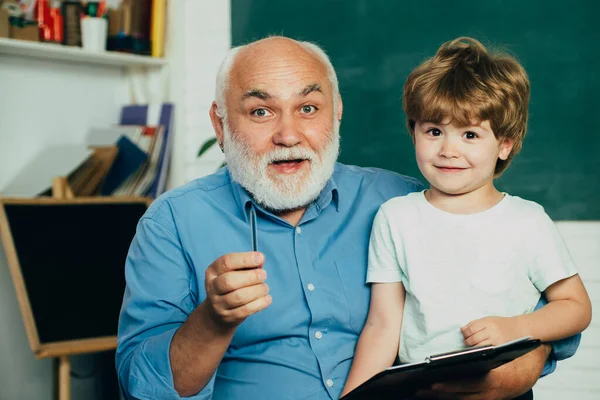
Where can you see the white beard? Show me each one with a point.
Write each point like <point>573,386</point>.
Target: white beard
<point>282,192</point>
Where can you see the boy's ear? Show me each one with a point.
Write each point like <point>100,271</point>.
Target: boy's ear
<point>505,148</point>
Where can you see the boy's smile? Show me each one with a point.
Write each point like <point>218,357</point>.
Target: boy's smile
<point>449,169</point>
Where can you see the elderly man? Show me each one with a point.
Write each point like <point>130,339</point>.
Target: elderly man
<point>203,316</point>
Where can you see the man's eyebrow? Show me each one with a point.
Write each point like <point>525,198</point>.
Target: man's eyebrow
<point>315,87</point>
<point>261,94</point>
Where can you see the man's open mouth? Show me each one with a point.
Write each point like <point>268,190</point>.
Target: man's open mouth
<point>289,162</point>
<point>290,166</point>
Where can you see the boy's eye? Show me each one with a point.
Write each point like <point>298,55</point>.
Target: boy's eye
<point>434,132</point>
<point>308,109</point>
<point>470,135</point>
<point>261,112</point>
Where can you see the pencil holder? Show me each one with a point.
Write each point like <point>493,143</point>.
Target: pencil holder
<point>93,33</point>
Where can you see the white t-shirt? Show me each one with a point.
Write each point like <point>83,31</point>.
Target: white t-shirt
<point>457,268</point>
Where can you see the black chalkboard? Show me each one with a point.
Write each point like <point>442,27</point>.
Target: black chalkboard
<point>374,44</point>
<point>72,259</point>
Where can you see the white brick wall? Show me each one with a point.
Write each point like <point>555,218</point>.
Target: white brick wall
<point>579,377</point>
<point>207,37</point>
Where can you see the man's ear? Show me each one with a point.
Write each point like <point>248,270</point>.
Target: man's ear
<point>340,108</point>
<point>505,148</point>
<point>217,122</point>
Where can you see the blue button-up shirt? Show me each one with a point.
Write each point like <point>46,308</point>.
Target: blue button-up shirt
<point>301,346</point>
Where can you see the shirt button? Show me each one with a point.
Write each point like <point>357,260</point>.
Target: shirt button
<point>318,334</point>
<point>329,382</point>
<point>310,287</point>
<point>298,230</point>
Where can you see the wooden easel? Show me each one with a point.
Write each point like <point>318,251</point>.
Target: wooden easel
<point>62,190</point>
<point>64,378</point>
<point>60,351</point>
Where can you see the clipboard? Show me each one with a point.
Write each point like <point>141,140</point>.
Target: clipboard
<point>403,381</point>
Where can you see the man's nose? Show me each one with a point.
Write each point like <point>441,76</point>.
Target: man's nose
<point>289,133</point>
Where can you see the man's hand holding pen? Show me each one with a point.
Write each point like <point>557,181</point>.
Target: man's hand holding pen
<point>235,288</point>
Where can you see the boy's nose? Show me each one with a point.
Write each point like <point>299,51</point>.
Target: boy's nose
<point>448,150</point>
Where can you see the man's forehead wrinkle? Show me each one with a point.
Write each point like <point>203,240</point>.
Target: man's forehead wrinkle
<point>261,80</point>
<point>280,68</point>
<point>271,81</point>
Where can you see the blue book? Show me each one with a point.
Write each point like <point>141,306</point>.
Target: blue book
<point>138,115</point>
<point>129,159</point>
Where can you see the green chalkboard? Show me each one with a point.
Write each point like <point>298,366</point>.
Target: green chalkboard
<point>374,44</point>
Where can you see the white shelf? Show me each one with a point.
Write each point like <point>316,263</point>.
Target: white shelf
<point>51,51</point>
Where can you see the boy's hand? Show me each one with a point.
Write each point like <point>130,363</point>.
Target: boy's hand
<point>491,331</point>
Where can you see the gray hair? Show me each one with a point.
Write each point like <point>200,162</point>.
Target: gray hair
<point>225,68</point>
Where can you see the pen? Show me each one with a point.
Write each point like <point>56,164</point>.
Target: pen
<point>253,234</point>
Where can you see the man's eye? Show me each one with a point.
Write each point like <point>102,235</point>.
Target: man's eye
<point>434,132</point>
<point>261,112</point>
<point>470,135</point>
<point>308,109</point>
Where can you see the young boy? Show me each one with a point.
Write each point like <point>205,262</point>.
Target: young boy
<point>462,264</point>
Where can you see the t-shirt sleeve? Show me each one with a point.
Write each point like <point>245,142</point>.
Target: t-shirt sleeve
<point>383,252</point>
<point>551,259</point>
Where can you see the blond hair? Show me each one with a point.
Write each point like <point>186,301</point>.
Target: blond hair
<point>466,84</point>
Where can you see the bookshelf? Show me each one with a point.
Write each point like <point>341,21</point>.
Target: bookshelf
<point>52,95</point>
<point>57,52</point>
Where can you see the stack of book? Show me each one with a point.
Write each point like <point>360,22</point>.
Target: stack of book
<point>138,26</point>
<point>137,165</point>
<point>128,159</point>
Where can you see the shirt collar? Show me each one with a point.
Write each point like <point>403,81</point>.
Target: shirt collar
<point>330,193</point>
